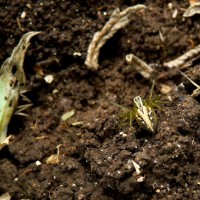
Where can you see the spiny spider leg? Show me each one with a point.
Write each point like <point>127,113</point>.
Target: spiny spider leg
<point>22,108</point>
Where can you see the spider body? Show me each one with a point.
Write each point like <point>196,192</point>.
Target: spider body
<point>143,112</point>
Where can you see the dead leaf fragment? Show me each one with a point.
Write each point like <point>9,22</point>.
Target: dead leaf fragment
<point>5,196</point>
<point>38,69</point>
<point>6,141</point>
<point>77,123</point>
<point>192,10</point>
<point>165,89</point>
<point>54,158</point>
<point>67,115</point>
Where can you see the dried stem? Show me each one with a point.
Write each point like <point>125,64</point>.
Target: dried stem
<point>139,65</point>
<point>186,59</point>
<point>195,92</point>
<point>117,21</point>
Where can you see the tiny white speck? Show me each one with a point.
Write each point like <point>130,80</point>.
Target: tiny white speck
<point>16,179</point>
<point>23,15</point>
<point>109,158</point>
<point>175,13</point>
<point>77,54</point>
<point>170,5</point>
<point>49,78</point>
<point>158,191</point>
<point>38,163</point>
<point>141,179</point>
<point>99,163</point>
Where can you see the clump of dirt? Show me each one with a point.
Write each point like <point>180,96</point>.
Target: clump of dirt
<point>98,157</point>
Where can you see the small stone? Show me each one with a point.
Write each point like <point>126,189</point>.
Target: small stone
<point>38,163</point>
<point>158,191</point>
<point>175,13</point>
<point>170,5</point>
<point>67,115</point>
<point>77,54</point>
<point>23,15</point>
<point>141,179</point>
<point>55,91</point>
<point>49,78</point>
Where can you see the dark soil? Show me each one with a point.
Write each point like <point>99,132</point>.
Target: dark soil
<point>96,158</point>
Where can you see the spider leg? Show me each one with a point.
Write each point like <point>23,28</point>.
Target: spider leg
<point>131,119</point>
<point>152,88</point>
<point>22,108</point>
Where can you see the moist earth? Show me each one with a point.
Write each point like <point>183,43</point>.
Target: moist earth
<point>98,157</point>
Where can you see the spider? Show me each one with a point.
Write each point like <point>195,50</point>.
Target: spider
<point>142,111</point>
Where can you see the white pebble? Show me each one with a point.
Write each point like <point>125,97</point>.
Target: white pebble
<point>170,5</point>
<point>175,13</point>
<point>38,163</point>
<point>49,78</point>
<point>77,54</point>
<point>140,179</point>
<point>23,15</point>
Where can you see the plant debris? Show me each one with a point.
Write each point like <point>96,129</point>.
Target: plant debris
<point>77,123</point>
<point>67,115</point>
<point>139,65</point>
<point>117,21</point>
<point>185,60</point>
<point>192,10</point>
<point>54,158</point>
<point>5,196</point>
<point>196,92</point>
<point>12,81</point>
<point>136,166</point>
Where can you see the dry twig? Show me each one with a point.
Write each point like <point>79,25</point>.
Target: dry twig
<point>144,69</point>
<point>195,92</point>
<point>186,59</point>
<point>117,21</point>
